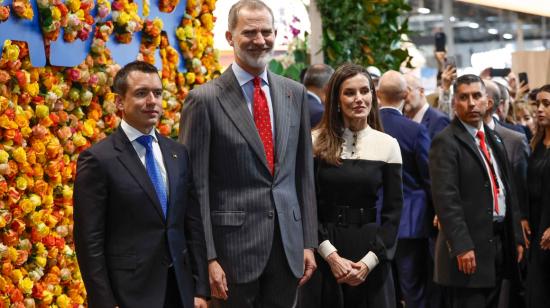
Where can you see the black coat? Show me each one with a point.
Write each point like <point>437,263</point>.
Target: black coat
<point>463,201</point>
<point>123,243</point>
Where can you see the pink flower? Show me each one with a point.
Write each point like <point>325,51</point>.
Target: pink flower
<point>295,31</point>
<point>74,74</point>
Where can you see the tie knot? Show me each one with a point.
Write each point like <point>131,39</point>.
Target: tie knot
<point>146,141</point>
<point>257,82</point>
<point>480,135</point>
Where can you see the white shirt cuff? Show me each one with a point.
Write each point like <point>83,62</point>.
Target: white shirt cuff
<point>326,248</point>
<point>370,260</point>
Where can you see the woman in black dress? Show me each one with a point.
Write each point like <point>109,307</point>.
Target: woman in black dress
<point>355,165</point>
<point>538,177</point>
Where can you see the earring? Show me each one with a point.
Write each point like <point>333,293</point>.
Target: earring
<point>338,108</point>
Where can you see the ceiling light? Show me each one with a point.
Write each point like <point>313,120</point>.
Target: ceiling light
<point>423,10</point>
<point>492,31</point>
<point>473,25</point>
<point>507,36</point>
<point>452,19</point>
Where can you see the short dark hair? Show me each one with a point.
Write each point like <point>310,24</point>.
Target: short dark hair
<point>317,75</point>
<point>120,84</point>
<point>246,4</point>
<point>467,79</point>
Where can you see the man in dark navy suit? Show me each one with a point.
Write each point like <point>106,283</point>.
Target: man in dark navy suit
<point>138,231</point>
<point>418,109</point>
<point>412,247</point>
<point>316,78</point>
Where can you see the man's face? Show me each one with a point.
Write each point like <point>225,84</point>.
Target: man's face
<point>142,103</point>
<point>414,98</point>
<point>252,39</point>
<point>470,103</point>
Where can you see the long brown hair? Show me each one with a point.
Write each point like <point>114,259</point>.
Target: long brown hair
<point>539,135</point>
<point>328,144</point>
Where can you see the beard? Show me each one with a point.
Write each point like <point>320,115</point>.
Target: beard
<point>254,61</point>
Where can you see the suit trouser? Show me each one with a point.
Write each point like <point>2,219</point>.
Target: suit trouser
<point>412,258</point>
<point>275,288</point>
<point>460,297</point>
<point>173,297</point>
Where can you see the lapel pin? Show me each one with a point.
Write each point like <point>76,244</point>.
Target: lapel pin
<point>175,155</point>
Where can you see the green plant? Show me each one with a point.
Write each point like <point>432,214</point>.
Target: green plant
<point>366,32</point>
<point>296,58</point>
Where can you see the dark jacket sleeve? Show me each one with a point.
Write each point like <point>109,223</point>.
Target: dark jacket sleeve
<point>90,207</point>
<point>194,233</point>
<point>444,166</point>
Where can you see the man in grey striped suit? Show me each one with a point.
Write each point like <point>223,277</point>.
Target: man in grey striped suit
<point>248,134</point>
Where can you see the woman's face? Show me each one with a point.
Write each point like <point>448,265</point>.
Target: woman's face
<point>355,98</point>
<point>526,119</point>
<point>543,108</point>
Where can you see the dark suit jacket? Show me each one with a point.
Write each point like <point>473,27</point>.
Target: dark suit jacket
<point>463,201</point>
<point>123,243</point>
<point>238,195</point>
<point>417,214</point>
<point>435,121</point>
<point>517,151</point>
<point>316,109</point>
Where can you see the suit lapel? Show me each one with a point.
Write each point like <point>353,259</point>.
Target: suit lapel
<point>426,117</point>
<point>497,148</point>
<point>462,134</point>
<point>129,158</point>
<point>171,165</point>
<point>280,99</point>
<point>233,103</point>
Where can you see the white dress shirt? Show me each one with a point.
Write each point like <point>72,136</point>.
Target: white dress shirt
<point>132,135</point>
<point>501,193</point>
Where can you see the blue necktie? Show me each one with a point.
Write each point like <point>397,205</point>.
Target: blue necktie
<point>153,170</point>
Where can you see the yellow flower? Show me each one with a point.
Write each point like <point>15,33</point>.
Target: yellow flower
<point>21,183</point>
<point>25,285</point>
<point>19,155</point>
<point>63,301</point>
<point>11,254</point>
<point>123,18</point>
<point>78,140</point>
<point>73,5</point>
<point>47,297</point>
<point>35,200</point>
<point>190,78</point>
<point>26,205</point>
<point>56,13</point>
<point>16,274</point>
<point>11,52</point>
<point>42,111</point>
<point>4,157</point>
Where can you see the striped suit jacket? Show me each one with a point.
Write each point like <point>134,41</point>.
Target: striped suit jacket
<point>240,199</point>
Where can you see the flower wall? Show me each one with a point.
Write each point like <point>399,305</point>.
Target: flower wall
<point>48,115</point>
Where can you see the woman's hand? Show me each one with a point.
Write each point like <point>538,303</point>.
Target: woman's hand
<point>358,274</point>
<point>545,239</point>
<point>339,266</point>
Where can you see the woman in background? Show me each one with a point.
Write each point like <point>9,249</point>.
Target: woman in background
<point>538,179</point>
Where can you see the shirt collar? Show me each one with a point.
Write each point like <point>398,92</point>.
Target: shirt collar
<point>492,123</point>
<point>420,113</point>
<point>133,133</point>
<point>315,96</point>
<point>244,77</point>
<point>472,130</point>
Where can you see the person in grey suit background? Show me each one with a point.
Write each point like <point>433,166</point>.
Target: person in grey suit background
<point>316,78</point>
<point>248,134</point>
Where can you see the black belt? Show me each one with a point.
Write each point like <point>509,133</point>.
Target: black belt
<point>346,215</point>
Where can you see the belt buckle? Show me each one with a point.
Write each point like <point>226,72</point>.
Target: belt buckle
<point>342,219</point>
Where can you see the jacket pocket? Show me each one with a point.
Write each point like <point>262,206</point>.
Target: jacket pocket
<point>227,218</point>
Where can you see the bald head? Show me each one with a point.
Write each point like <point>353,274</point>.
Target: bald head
<point>493,94</point>
<point>392,89</point>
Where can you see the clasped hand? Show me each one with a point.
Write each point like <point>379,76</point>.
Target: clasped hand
<point>346,271</point>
